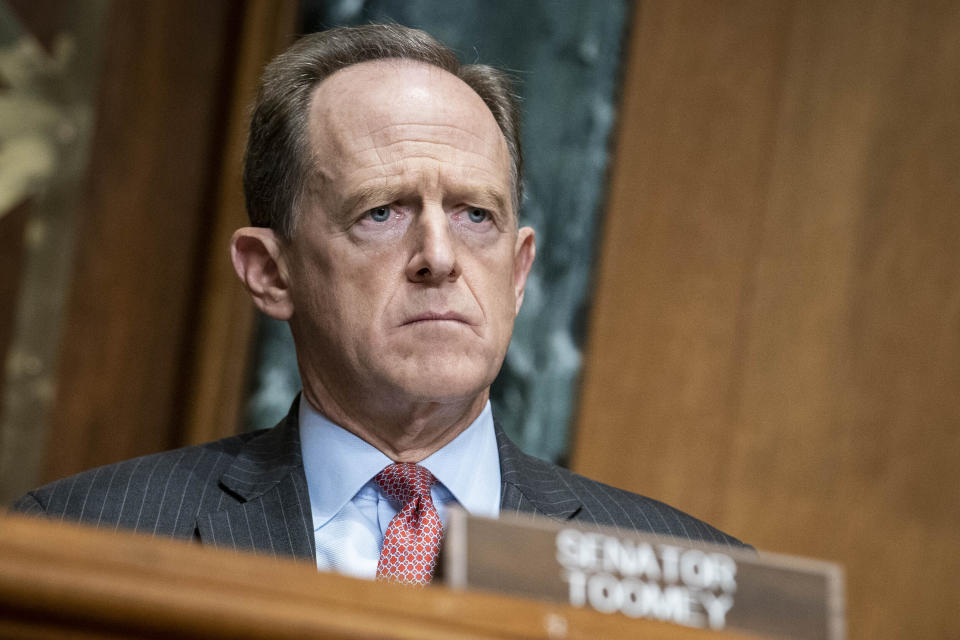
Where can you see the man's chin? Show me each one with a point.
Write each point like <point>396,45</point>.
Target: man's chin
<point>443,384</point>
<point>433,391</point>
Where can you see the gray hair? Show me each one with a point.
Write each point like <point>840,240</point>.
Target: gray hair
<point>276,167</point>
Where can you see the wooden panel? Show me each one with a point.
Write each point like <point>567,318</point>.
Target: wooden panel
<point>12,225</point>
<point>154,157</point>
<point>686,199</point>
<point>775,344</point>
<point>222,340</point>
<point>59,581</point>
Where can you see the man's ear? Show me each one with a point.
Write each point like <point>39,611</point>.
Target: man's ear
<point>258,260</point>
<point>524,253</point>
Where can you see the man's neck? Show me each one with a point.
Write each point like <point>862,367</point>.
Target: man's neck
<point>408,433</point>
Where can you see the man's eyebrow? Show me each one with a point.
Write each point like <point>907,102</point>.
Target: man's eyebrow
<point>381,194</point>
<point>492,196</point>
<point>375,194</point>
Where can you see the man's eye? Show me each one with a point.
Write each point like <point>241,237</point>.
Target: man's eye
<point>379,214</point>
<point>478,215</point>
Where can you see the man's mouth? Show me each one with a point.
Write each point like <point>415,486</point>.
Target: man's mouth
<point>434,316</point>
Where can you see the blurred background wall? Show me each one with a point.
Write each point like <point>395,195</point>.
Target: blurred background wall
<point>771,309</point>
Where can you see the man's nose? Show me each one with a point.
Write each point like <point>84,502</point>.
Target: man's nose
<point>434,258</point>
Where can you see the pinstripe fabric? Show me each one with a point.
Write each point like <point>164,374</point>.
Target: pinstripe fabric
<point>249,492</point>
<point>530,485</point>
<point>245,492</point>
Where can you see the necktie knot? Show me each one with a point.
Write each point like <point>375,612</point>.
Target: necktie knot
<point>404,481</point>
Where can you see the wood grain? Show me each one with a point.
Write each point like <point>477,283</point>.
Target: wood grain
<point>148,206</point>
<point>59,580</point>
<point>225,322</point>
<point>775,344</point>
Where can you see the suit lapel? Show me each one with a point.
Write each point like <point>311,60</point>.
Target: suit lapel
<point>269,507</point>
<point>530,485</point>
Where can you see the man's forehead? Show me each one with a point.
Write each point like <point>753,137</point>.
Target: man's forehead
<point>374,104</point>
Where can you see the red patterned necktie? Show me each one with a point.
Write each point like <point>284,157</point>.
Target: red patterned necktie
<point>412,540</point>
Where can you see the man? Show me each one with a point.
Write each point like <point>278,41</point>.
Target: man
<point>383,182</point>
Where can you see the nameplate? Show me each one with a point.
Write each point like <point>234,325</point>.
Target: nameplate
<point>652,577</point>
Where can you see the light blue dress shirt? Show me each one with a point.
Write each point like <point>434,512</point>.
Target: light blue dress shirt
<point>351,514</point>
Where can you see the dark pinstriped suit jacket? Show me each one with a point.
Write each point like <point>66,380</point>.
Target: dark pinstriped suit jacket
<point>250,492</point>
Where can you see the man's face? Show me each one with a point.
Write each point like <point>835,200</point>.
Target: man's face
<point>406,268</point>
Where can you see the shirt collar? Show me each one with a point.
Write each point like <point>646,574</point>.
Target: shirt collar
<point>338,464</point>
<point>469,466</point>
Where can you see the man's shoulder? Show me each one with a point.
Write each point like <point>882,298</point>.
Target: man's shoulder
<point>158,493</point>
<point>605,505</point>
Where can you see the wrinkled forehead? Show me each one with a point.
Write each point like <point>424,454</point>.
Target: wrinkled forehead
<point>374,107</point>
